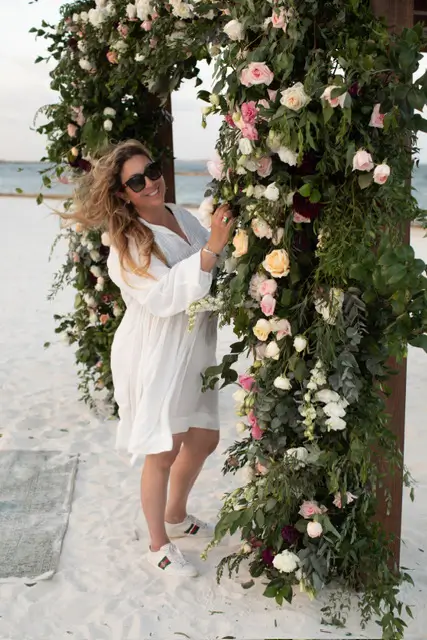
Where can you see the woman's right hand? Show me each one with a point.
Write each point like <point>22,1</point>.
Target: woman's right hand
<point>222,224</point>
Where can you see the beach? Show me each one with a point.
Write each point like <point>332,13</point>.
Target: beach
<point>103,589</point>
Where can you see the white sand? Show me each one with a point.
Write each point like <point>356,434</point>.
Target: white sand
<point>103,589</point>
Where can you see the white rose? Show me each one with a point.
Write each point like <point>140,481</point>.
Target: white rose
<point>241,427</point>
<point>250,190</point>
<point>240,396</point>
<point>84,17</point>
<point>261,228</point>
<point>314,529</point>
<point>272,351</point>
<point>82,46</point>
<point>85,64</point>
<point>272,193</point>
<point>139,57</point>
<point>131,11</point>
<point>278,236</point>
<point>234,30</point>
<point>262,329</point>
<point>299,456</point>
<point>300,343</point>
<point>93,318</point>
<point>90,300</point>
<point>95,271</point>
<point>100,284</point>
<point>108,125</point>
<point>282,382</point>
<point>288,156</point>
<point>248,474</point>
<point>117,311</point>
<point>246,548</point>
<point>206,210</point>
<point>286,562</point>
<point>241,171</point>
<point>336,424</point>
<point>326,396</point>
<point>94,255</point>
<point>259,191</point>
<point>334,410</point>
<point>109,111</point>
<point>245,146</point>
<point>295,98</point>
<point>105,239</point>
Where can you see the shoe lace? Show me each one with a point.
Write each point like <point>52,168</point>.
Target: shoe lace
<point>176,555</point>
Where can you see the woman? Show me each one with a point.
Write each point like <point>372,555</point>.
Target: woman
<point>162,260</point>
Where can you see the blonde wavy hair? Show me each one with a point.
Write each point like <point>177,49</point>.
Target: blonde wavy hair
<point>97,205</point>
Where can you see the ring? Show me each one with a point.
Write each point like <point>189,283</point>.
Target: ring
<point>225,219</point>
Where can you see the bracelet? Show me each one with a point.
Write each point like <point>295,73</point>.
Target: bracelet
<point>212,253</point>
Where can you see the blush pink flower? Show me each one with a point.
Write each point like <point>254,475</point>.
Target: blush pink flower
<point>146,25</point>
<point>246,381</point>
<point>249,112</point>
<point>256,73</point>
<point>350,497</point>
<point>264,166</point>
<point>72,130</point>
<point>112,57</point>
<point>377,118</point>
<point>123,30</point>
<point>256,432</point>
<point>78,115</point>
<point>252,418</point>
<point>249,132</point>
<point>362,161</point>
<point>299,218</point>
<point>281,327</point>
<point>268,287</point>
<point>268,305</point>
<point>278,20</point>
<point>216,167</point>
<point>272,94</point>
<point>264,103</point>
<point>309,509</point>
<point>381,173</point>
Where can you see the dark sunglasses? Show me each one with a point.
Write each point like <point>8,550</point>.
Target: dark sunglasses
<point>137,183</point>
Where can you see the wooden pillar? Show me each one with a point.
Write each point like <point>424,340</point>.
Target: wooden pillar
<point>398,15</point>
<point>165,142</point>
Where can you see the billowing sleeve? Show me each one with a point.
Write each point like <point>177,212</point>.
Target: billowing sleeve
<point>170,291</point>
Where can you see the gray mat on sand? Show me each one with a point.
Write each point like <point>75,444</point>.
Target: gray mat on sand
<point>36,490</point>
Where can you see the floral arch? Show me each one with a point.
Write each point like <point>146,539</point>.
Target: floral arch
<point>320,120</point>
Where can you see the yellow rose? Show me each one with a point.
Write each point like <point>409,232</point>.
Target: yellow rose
<point>277,263</point>
<point>240,241</point>
<point>262,329</point>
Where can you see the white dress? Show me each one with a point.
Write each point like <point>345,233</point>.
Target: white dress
<point>156,361</point>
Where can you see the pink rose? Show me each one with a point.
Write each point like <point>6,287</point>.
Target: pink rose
<point>72,130</point>
<point>249,132</point>
<point>76,257</point>
<point>246,381</point>
<point>281,327</point>
<point>268,305</point>
<point>146,25</point>
<point>112,57</point>
<point>216,168</point>
<point>299,218</point>
<point>264,166</point>
<point>362,161</point>
<point>229,120</point>
<point>309,509</point>
<point>381,173</point>
<point>249,112</point>
<point>272,94</point>
<point>338,101</point>
<point>377,118</point>
<point>123,30</point>
<point>256,73</point>
<point>278,20</point>
<point>256,432</point>
<point>268,287</point>
<point>104,318</point>
<point>78,115</point>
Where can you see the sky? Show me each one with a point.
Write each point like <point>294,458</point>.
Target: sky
<point>24,88</point>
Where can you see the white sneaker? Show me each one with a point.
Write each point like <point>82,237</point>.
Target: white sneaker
<point>191,527</point>
<point>170,560</point>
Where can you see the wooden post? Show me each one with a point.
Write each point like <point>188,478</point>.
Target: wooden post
<point>398,15</point>
<point>165,142</point>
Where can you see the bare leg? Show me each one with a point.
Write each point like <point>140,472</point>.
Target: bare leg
<point>154,485</point>
<point>198,444</point>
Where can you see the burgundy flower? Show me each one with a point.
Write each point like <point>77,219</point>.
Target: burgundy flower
<point>354,90</point>
<point>290,534</point>
<point>268,556</point>
<point>305,207</point>
<point>72,43</point>
<point>84,165</point>
<point>308,165</point>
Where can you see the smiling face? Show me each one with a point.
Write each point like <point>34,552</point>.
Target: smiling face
<point>153,195</point>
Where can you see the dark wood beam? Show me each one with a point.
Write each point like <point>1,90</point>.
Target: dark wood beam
<point>398,15</point>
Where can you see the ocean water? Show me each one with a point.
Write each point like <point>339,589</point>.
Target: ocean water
<point>190,188</point>
<point>26,176</point>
